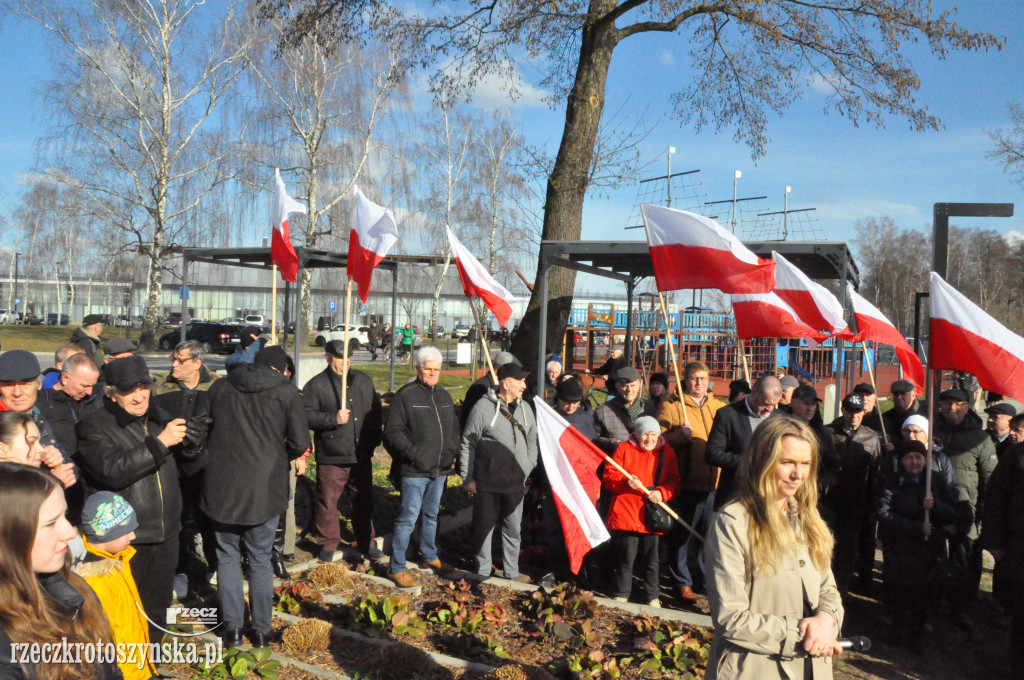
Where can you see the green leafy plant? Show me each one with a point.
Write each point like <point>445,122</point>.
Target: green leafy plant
<point>679,652</point>
<point>376,617</point>
<point>596,664</point>
<point>238,664</point>
<point>294,597</point>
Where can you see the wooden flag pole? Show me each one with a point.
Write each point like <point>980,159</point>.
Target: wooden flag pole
<point>928,460</point>
<point>482,332</point>
<point>664,506</point>
<point>672,357</point>
<point>743,357</point>
<point>871,374</point>
<point>348,310</point>
<point>273,307</point>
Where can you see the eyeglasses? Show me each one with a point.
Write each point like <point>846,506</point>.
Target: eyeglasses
<point>180,360</point>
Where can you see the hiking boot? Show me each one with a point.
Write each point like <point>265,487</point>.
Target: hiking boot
<point>439,566</point>
<point>686,594</point>
<point>403,579</point>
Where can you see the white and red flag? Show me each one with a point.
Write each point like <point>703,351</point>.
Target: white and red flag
<point>874,326</point>
<point>281,250</point>
<point>373,233</point>
<point>769,316</point>
<point>570,462</point>
<point>478,282</point>
<point>965,338</point>
<point>815,305</point>
<point>693,251</point>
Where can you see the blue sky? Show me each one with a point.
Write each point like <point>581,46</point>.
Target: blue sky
<point>847,173</point>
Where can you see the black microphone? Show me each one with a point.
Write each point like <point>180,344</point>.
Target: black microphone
<point>857,643</point>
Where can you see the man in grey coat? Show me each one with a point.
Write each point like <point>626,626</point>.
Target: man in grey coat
<point>499,451</point>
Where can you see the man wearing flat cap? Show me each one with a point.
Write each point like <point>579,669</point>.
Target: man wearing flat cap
<point>961,433</point>
<point>259,427</point>
<point>999,416</point>
<point>20,379</point>
<point>849,502</point>
<point>345,436</point>
<point>131,448</point>
<point>117,348</point>
<point>498,453</point>
<point>87,336</point>
<point>615,418</point>
<point>904,405</point>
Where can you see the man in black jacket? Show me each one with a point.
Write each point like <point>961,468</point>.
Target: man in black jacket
<point>734,423</point>
<point>259,427</point>
<point>126,447</point>
<point>344,437</point>
<point>373,339</point>
<point>904,405</point>
<point>849,506</point>
<point>422,436</point>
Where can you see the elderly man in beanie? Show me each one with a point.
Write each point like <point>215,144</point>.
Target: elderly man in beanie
<point>422,437</point>
<point>849,503</point>
<point>19,391</point>
<point>344,437</point>
<point>657,389</point>
<point>87,336</point>
<point>129,447</point>
<point>108,528</point>
<point>733,425</point>
<point>970,450</point>
<point>499,451</point>
<point>615,417</point>
<point>259,427</point>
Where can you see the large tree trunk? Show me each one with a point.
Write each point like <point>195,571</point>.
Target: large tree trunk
<point>154,286</point>
<point>567,185</point>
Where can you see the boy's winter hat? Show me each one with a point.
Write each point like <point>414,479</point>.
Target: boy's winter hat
<point>107,517</point>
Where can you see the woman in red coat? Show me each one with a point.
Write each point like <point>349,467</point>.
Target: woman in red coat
<point>640,455</point>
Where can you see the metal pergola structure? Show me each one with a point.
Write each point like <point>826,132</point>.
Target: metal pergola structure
<point>630,262</point>
<point>309,258</point>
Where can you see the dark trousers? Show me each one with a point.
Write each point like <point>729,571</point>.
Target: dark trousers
<point>965,554</point>
<point>866,549</point>
<point>373,351</point>
<point>627,545</point>
<point>910,605</point>
<point>681,564</point>
<point>504,511</point>
<point>153,571</point>
<point>846,527</point>
<point>357,482</point>
<point>1012,598</point>
<point>259,541</point>
<point>194,522</point>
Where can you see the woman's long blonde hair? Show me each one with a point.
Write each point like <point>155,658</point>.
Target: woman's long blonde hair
<point>771,533</point>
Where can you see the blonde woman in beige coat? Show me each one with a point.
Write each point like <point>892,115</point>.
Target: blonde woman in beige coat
<point>774,602</point>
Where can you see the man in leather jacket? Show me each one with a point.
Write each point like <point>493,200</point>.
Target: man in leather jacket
<point>129,448</point>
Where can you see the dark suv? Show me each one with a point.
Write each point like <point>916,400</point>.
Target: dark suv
<point>214,337</point>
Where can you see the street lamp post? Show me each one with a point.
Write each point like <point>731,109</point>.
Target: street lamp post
<point>785,214</point>
<point>735,186</point>
<point>668,178</point>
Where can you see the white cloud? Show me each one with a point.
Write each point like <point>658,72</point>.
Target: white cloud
<point>667,58</point>
<point>492,93</point>
<point>1013,237</point>
<point>820,84</point>
<point>849,211</point>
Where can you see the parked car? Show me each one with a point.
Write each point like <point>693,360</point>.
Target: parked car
<point>461,330</point>
<point>356,336</point>
<point>438,332</point>
<point>255,320</point>
<point>214,337</point>
<point>174,319</point>
<point>32,320</point>
<point>233,319</point>
<point>51,319</point>
<point>7,317</point>
<point>125,321</point>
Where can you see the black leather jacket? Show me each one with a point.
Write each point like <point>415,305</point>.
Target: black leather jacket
<point>355,440</point>
<point>422,432</point>
<point>120,453</point>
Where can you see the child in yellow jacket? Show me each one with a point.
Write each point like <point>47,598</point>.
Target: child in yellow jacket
<point>108,528</point>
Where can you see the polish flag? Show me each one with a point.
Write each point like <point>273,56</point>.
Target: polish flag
<point>769,316</point>
<point>814,304</point>
<point>478,282</point>
<point>965,338</point>
<point>281,250</point>
<point>373,233</point>
<point>873,325</point>
<point>570,462</point>
<point>693,251</point>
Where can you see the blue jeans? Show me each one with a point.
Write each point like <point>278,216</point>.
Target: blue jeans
<point>419,495</point>
<point>259,540</point>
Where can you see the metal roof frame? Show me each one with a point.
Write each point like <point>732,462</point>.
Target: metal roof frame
<point>630,261</point>
<point>309,258</point>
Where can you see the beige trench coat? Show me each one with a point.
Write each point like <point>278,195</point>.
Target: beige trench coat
<point>756,618</point>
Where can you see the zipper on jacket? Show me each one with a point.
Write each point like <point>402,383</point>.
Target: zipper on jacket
<point>440,428</point>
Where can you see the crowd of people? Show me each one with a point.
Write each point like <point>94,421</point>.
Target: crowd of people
<point>116,476</point>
